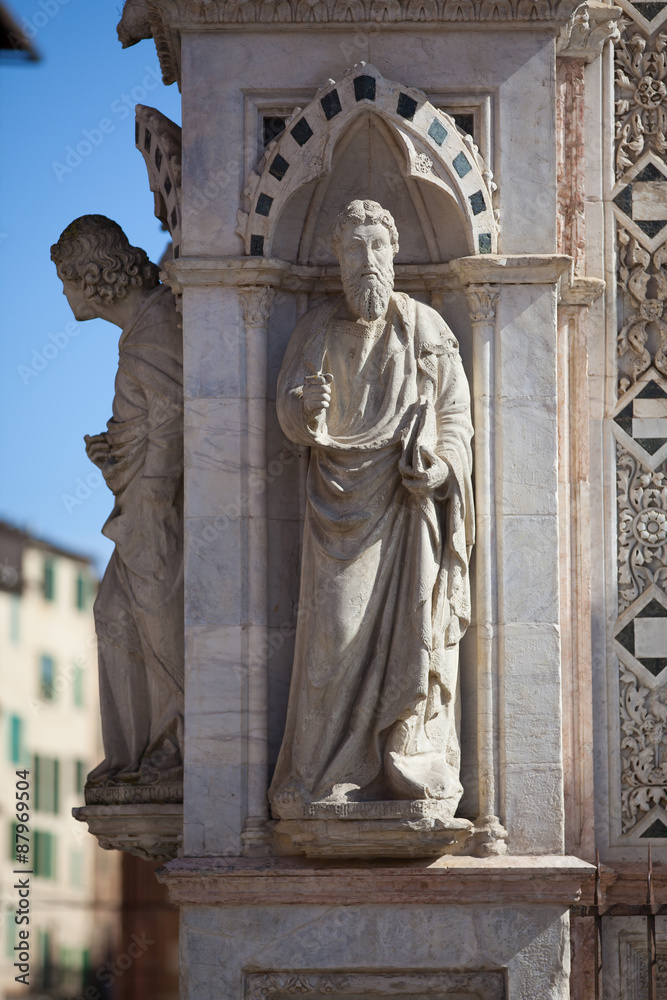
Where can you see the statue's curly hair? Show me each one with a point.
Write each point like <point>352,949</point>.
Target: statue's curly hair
<point>95,253</point>
<point>360,213</point>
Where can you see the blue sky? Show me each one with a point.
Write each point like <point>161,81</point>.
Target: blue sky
<point>56,163</point>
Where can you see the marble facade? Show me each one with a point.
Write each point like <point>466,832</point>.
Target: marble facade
<point>486,127</point>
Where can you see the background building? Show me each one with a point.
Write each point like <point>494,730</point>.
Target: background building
<point>49,724</point>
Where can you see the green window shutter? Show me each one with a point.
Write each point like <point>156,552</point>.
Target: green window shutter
<point>44,854</point>
<point>49,580</point>
<point>15,739</point>
<point>56,786</point>
<point>47,677</point>
<point>77,686</point>
<point>80,778</point>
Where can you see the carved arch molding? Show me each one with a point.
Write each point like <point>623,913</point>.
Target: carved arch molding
<point>434,152</point>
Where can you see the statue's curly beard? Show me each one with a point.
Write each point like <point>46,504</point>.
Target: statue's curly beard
<point>368,294</point>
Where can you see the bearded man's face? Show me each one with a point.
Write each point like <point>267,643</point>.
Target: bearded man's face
<point>366,261</point>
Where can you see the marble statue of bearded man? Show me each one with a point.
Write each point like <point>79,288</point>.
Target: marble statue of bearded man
<point>372,381</point>
<point>139,607</point>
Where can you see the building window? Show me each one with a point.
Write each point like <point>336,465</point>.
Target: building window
<point>14,618</point>
<point>80,776</point>
<point>49,580</point>
<point>82,594</point>
<point>47,677</point>
<point>46,784</point>
<point>77,686</point>
<point>44,854</point>
<point>15,739</point>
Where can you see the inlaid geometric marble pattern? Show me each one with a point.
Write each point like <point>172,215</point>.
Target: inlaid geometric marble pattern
<point>639,425</point>
<point>641,198</point>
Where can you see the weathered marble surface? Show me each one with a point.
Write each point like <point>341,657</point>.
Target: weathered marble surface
<point>528,944</point>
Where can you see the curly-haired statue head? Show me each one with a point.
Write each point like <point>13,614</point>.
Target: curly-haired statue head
<point>100,270</point>
<point>365,241</point>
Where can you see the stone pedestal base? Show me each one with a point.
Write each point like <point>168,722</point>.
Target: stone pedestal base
<point>153,832</point>
<point>391,829</point>
<point>460,927</point>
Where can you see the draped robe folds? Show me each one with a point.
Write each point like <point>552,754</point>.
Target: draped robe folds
<point>139,607</point>
<point>385,595</point>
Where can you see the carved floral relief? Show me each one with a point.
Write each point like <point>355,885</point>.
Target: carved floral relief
<point>640,207</point>
<point>642,528</point>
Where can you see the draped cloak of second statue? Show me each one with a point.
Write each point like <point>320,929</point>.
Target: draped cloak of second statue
<point>385,595</point>
<point>139,607</point>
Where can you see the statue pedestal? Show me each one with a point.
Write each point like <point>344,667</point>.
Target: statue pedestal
<point>467,928</point>
<point>398,829</point>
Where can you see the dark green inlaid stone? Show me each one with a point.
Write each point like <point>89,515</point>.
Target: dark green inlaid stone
<point>626,637</point>
<point>651,445</point>
<point>461,165</point>
<point>656,829</point>
<point>624,200</point>
<point>654,609</point>
<point>279,167</point>
<point>406,106</point>
<point>364,88</point>
<point>438,132</point>
<point>477,202</point>
<point>301,132</point>
<point>264,203</point>
<point>331,105</point>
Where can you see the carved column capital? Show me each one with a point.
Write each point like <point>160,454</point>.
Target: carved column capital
<point>256,301</point>
<point>589,28</point>
<point>482,302</point>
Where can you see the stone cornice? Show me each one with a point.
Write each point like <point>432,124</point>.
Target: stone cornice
<point>505,269</point>
<point>280,881</point>
<point>519,269</point>
<point>196,272</point>
<point>168,18</point>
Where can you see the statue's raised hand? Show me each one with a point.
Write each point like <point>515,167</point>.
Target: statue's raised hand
<point>97,448</point>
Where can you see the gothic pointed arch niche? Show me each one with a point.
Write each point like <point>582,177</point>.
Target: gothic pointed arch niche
<point>369,137</point>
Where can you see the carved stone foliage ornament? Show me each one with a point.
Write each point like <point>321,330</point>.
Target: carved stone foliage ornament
<point>273,985</point>
<point>372,381</point>
<point>639,419</point>
<point>642,528</point>
<point>139,607</point>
